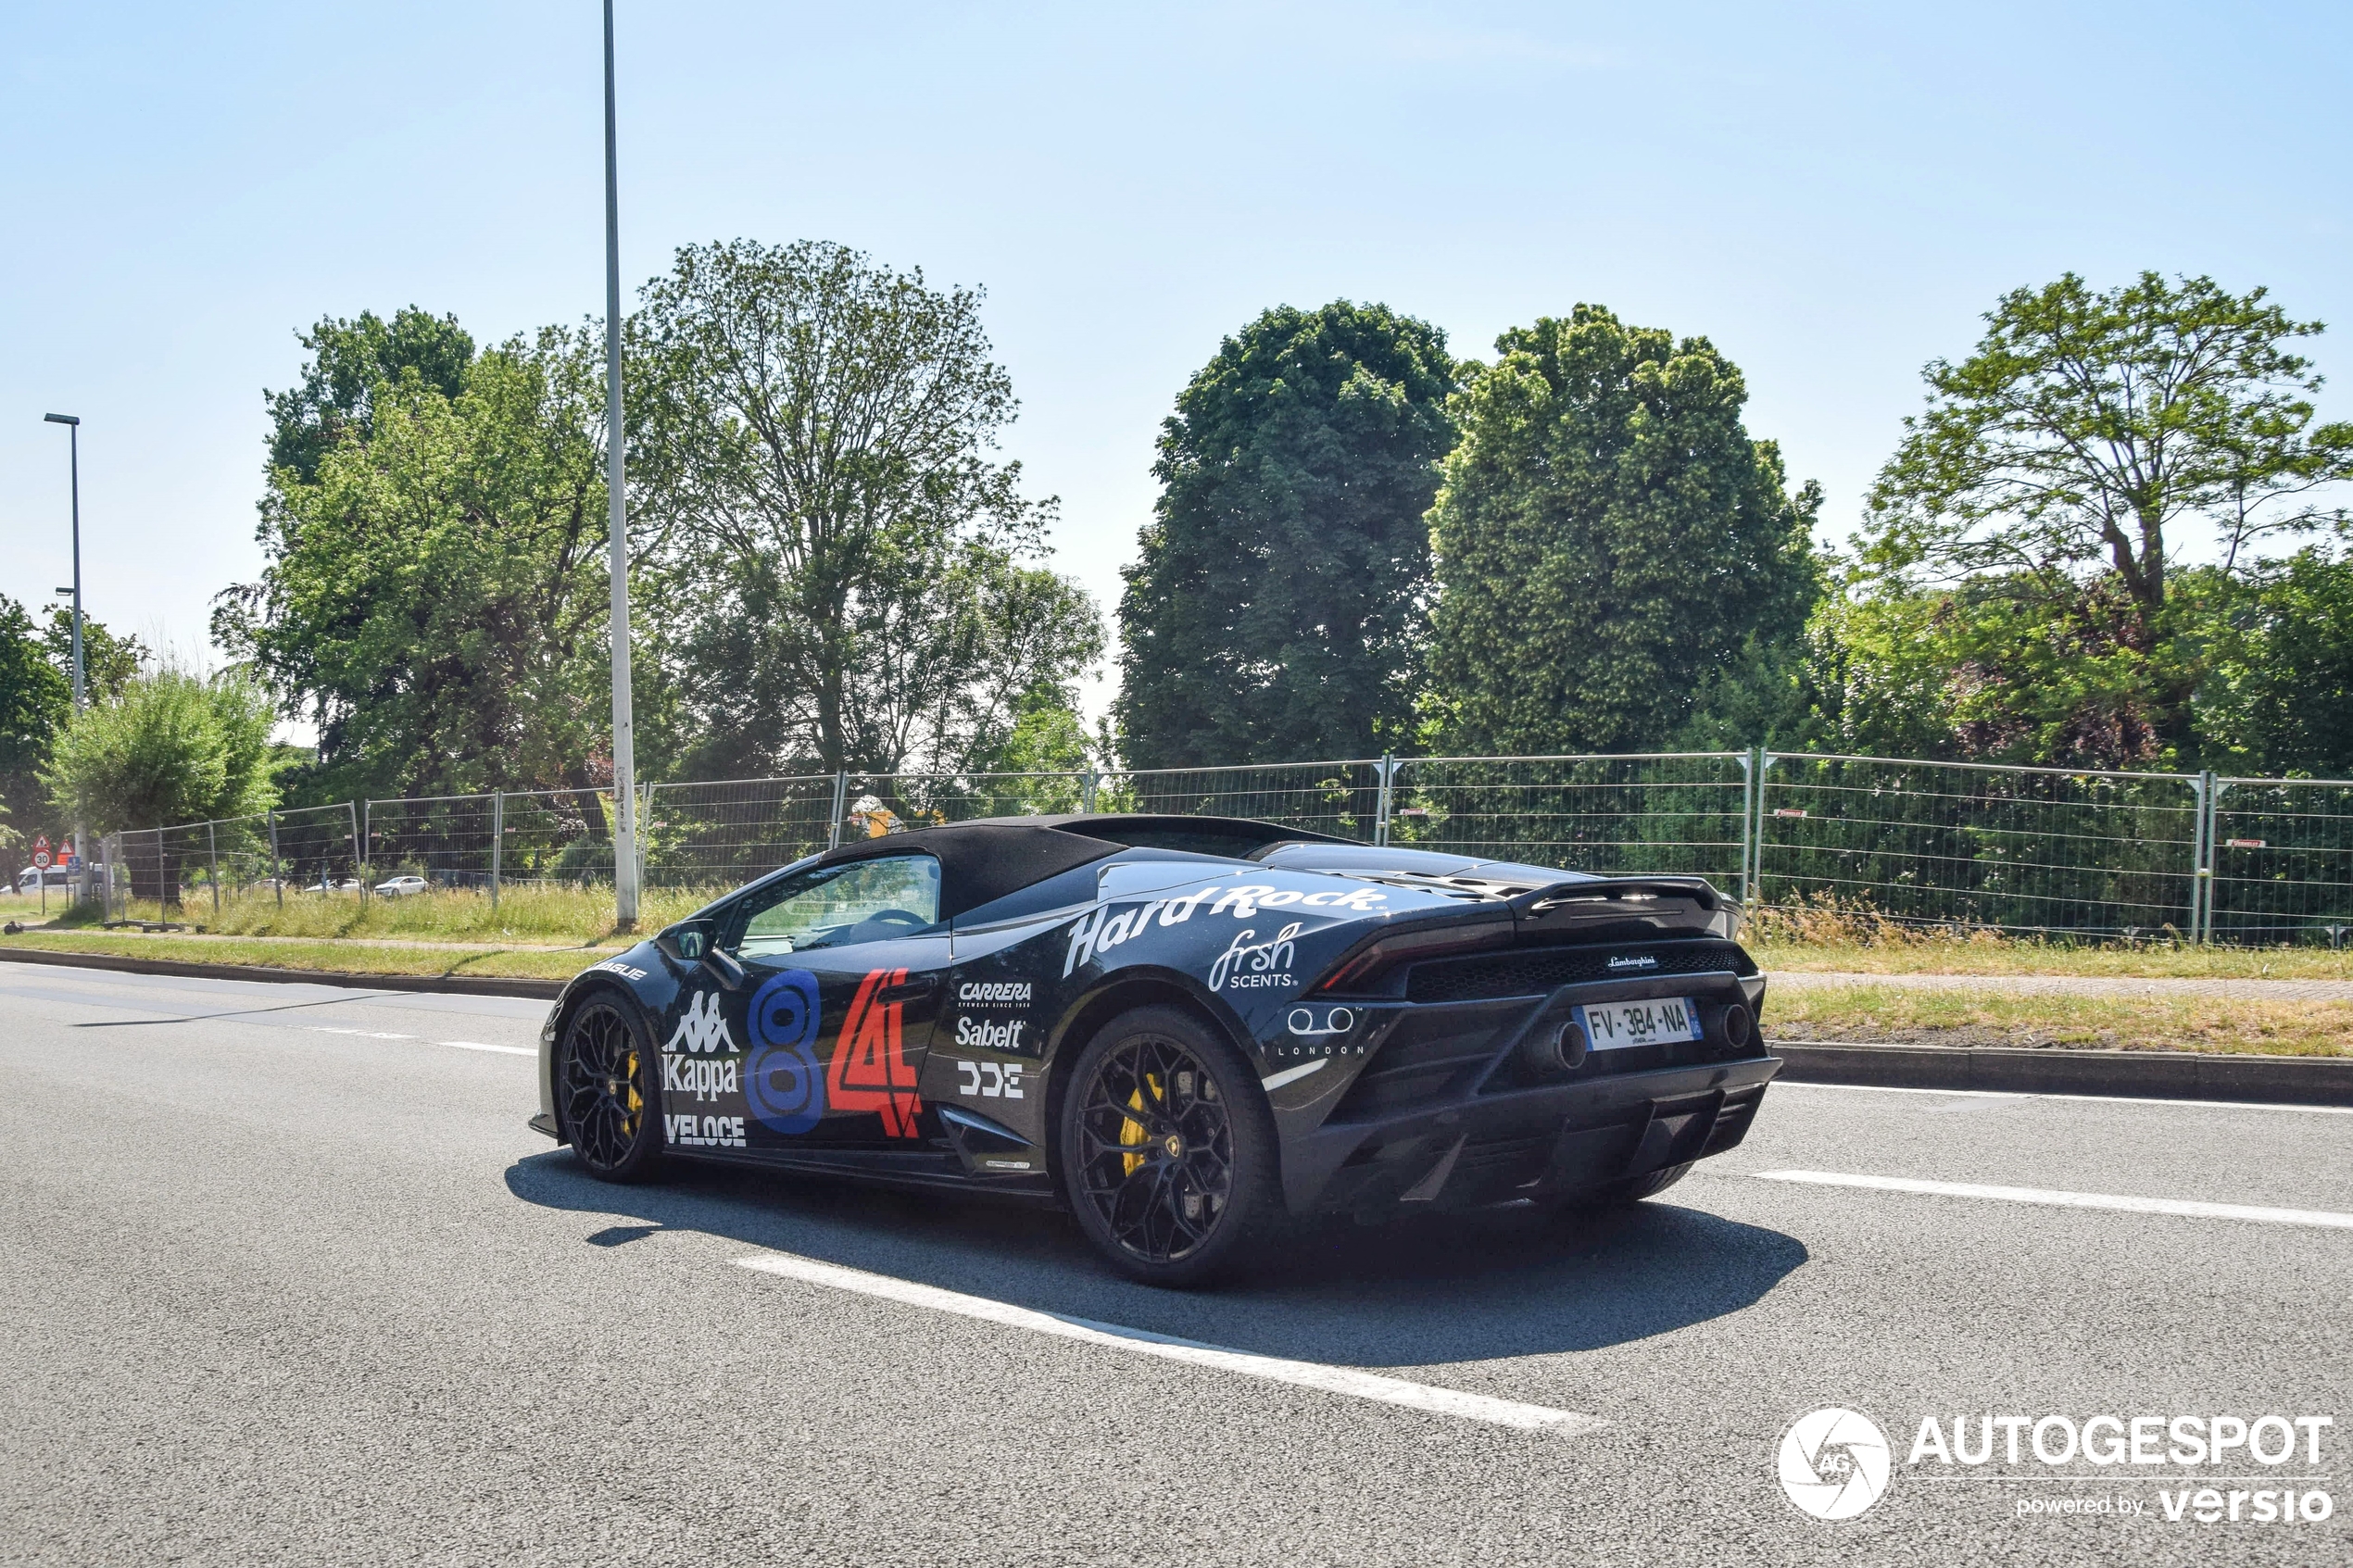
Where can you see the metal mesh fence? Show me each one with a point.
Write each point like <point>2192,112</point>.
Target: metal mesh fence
<point>1611,814</point>
<point>2022,849</point>
<point>2283,860</point>
<point>2011,848</point>
<point>1341,799</point>
<point>717,835</point>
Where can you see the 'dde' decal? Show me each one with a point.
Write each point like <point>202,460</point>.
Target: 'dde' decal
<point>783,1083</point>
<point>870,1070</point>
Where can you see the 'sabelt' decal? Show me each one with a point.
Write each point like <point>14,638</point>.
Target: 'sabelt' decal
<point>870,1070</point>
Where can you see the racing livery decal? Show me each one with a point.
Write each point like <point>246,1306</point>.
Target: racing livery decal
<point>783,1083</point>
<point>1100,931</point>
<point>700,1057</point>
<point>870,1070</point>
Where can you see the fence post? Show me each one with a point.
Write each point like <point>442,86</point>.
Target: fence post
<point>833,830</point>
<point>2209,797</point>
<point>498,840</point>
<point>1380,816</point>
<point>1757,834</point>
<point>1748,817</point>
<point>1086,790</point>
<point>351,812</point>
<point>212,857</point>
<point>277,869</point>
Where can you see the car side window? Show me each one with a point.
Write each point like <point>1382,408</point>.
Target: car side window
<point>832,906</point>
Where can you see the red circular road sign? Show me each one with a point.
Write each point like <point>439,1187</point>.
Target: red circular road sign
<point>41,858</point>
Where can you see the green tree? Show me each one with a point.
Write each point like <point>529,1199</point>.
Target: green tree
<point>437,590</point>
<point>2050,480</point>
<point>824,521</point>
<point>349,359</point>
<point>2277,693</point>
<point>36,700</point>
<point>172,747</point>
<point>1277,610</point>
<point>1611,544</point>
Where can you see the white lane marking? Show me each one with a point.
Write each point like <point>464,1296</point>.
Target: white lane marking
<point>454,1045</point>
<point>1289,1076</point>
<point>2326,1218</point>
<point>2097,1099</point>
<point>1272,1368</point>
<point>478,1045</point>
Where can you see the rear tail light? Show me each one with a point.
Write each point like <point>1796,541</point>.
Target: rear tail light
<point>1361,968</point>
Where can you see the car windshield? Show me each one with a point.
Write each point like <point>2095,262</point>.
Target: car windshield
<point>858,901</point>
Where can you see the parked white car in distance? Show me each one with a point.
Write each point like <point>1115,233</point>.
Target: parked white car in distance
<point>400,887</point>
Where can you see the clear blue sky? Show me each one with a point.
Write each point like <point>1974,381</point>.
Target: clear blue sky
<point>1831,194</point>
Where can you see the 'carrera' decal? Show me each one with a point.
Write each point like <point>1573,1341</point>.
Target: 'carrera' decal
<point>870,1070</point>
<point>783,1083</point>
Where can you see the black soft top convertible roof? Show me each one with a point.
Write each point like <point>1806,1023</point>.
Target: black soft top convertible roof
<point>982,862</point>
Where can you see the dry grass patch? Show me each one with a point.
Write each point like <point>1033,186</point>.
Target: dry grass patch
<point>1827,936</point>
<point>1911,1015</point>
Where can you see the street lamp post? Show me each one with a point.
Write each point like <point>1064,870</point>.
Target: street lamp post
<point>625,766</point>
<point>73,459</point>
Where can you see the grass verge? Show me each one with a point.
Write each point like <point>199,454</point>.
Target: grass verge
<point>346,957</point>
<point>1912,1016</point>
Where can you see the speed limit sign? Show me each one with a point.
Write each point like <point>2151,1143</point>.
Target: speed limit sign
<point>41,858</point>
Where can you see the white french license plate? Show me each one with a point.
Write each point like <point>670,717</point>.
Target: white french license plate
<point>1615,1025</point>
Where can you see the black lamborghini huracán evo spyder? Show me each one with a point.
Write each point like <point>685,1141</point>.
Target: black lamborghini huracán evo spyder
<point>1189,1031</point>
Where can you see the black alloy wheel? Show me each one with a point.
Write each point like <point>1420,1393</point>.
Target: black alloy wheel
<point>605,1091</point>
<point>1167,1148</point>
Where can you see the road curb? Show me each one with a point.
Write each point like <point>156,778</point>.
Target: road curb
<point>2272,1080</point>
<point>466,985</point>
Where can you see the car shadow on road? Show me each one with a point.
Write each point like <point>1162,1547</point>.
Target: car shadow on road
<point>1418,1292</point>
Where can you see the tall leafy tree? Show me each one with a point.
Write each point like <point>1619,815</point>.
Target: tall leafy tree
<point>36,702</point>
<point>1611,544</point>
<point>348,360</point>
<point>2050,485</point>
<point>1277,611</point>
<point>172,745</point>
<point>830,532</point>
<point>436,587</point>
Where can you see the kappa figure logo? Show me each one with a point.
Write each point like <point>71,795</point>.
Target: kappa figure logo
<point>1834,1463</point>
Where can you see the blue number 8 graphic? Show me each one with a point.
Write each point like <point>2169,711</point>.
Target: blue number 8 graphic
<point>782,1082</point>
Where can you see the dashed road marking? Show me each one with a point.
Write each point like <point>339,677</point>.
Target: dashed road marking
<point>454,1045</point>
<point>1272,1368</point>
<point>2095,1099</point>
<point>2326,1218</point>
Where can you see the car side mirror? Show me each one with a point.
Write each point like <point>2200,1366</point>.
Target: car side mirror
<point>690,941</point>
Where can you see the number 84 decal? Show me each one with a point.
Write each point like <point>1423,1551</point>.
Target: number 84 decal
<point>989,1080</point>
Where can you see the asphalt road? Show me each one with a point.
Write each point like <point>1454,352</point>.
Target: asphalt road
<point>288,1280</point>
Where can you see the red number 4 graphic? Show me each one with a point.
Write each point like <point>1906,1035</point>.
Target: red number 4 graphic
<point>870,1070</point>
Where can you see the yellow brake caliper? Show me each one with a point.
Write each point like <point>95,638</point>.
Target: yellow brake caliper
<point>636,1102</point>
<point>1132,1131</point>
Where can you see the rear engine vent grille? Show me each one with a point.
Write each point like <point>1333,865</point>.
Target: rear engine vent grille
<point>1535,972</point>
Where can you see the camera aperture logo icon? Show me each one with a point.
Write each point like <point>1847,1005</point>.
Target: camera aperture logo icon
<point>1834,1463</point>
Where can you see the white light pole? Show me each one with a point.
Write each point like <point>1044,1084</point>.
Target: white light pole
<point>625,768</point>
<point>73,459</point>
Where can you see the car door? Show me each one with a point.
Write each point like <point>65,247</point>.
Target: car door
<point>842,968</point>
